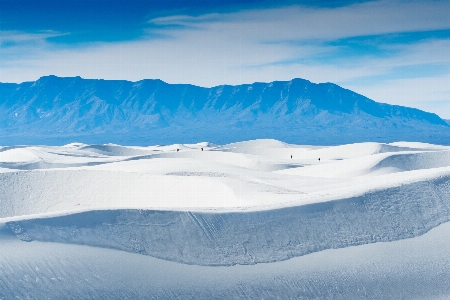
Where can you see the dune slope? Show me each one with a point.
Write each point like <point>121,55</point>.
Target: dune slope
<point>251,208</point>
<point>415,268</point>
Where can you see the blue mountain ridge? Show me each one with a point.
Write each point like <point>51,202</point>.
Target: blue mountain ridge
<point>55,110</point>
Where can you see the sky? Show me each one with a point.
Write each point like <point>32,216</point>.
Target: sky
<point>392,51</point>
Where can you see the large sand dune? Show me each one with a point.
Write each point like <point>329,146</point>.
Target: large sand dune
<point>231,206</point>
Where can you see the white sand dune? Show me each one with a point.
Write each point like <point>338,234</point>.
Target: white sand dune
<point>116,150</point>
<point>242,204</point>
<point>17,155</point>
<point>417,268</point>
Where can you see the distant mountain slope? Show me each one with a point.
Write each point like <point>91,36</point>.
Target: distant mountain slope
<point>58,110</point>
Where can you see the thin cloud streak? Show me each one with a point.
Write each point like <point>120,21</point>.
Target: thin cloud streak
<point>305,23</point>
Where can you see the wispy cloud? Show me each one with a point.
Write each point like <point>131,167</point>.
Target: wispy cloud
<point>303,23</point>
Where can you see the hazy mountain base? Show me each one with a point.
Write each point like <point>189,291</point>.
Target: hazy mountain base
<point>223,134</point>
<point>208,238</point>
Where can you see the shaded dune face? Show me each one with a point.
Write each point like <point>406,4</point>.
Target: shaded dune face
<point>416,268</point>
<point>205,238</point>
<point>415,161</point>
<point>241,203</point>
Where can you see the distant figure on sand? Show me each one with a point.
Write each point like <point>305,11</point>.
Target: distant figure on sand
<point>178,149</point>
<point>319,158</point>
<point>202,148</point>
<point>291,156</point>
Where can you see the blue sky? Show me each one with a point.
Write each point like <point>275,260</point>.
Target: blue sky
<point>393,51</point>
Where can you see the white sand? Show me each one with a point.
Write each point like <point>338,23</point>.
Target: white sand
<point>268,223</point>
<point>251,175</point>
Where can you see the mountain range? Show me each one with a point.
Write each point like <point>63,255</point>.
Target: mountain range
<point>55,110</point>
